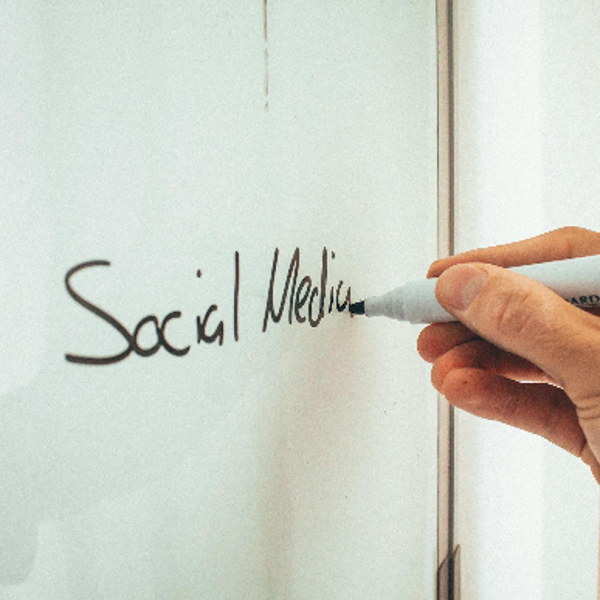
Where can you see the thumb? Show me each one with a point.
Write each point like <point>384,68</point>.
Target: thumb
<point>527,319</point>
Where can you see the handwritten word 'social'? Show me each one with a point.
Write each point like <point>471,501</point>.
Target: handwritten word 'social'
<point>305,300</point>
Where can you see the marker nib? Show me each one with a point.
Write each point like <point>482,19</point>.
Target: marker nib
<point>358,308</point>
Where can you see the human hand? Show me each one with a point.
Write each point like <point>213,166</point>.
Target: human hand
<point>520,354</point>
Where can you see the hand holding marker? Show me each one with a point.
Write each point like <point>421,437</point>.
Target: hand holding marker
<point>512,329</point>
<point>577,280</point>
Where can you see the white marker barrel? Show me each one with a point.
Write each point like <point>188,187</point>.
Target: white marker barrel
<point>577,280</point>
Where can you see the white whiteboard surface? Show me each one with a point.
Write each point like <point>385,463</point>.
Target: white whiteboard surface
<point>186,144</point>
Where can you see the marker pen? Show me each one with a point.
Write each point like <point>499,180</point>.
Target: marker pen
<point>577,280</point>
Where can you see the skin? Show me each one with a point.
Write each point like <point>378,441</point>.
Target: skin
<point>519,354</point>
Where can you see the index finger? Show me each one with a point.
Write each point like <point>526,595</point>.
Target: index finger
<point>567,242</point>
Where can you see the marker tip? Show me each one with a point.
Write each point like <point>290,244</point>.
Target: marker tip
<point>357,308</point>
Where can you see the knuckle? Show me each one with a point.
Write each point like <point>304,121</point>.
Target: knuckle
<point>588,407</point>
<point>516,313</point>
<point>577,241</point>
<point>572,230</point>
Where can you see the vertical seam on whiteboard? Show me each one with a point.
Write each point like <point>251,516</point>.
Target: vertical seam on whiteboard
<point>236,299</point>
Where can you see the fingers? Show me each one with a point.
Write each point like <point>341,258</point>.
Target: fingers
<point>482,355</point>
<point>536,407</point>
<point>567,242</point>
<point>439,338</point>
<point>452,345</point>
<point>525,318</point>
<point>514,329</point>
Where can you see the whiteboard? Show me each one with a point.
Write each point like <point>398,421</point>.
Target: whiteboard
<point>191,194</point>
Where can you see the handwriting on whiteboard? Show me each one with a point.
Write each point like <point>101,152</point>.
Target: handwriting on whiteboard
<point>304,299</point>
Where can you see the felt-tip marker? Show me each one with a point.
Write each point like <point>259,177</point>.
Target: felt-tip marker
<point>577,280</point>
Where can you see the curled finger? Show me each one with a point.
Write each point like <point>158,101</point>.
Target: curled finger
<point>437,339</point>
<point>539,408</point>
<point>482,355</point>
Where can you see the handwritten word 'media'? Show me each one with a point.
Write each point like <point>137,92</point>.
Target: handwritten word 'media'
<point>306,303</point>
<point>304,293</point>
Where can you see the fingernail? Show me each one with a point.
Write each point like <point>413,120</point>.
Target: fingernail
<point>459,285</point>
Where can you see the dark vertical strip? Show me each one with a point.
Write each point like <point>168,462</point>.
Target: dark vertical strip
<point>266,20</point>
<point>236,298</point>
<point>448,580</point>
